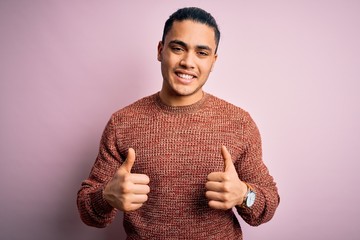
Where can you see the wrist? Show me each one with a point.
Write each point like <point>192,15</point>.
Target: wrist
<point>244,189</point>
<point>249,197</point>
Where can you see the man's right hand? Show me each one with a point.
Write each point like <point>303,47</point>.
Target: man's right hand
<point>127,191</point>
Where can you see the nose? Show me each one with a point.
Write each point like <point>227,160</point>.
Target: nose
<point>187,61</point>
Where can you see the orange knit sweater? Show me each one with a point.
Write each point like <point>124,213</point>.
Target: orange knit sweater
<point>177,147</point>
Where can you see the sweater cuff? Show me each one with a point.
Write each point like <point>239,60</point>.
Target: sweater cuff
<point>253,214</point>
<point>99,204</point>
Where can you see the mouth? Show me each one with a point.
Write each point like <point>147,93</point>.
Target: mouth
<point>185,77</point>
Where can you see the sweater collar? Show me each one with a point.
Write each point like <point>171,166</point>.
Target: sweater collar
<point>180,109</point>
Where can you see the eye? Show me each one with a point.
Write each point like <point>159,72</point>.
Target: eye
<point>177,49</point>
<point>203,53</point>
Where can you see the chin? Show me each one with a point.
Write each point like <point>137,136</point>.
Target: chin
<point>188,92</point>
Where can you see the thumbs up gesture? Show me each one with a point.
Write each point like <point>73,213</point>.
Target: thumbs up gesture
<point>127,191</point>
<point>224,189</point>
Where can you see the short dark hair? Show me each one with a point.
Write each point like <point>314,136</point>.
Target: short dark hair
<point>195,14</point>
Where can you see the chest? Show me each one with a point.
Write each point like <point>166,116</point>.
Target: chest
<point>172,146</point>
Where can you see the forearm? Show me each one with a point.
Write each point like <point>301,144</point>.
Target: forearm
<point>93,208</point>
<point>266,203</point>
<point>253,171</point>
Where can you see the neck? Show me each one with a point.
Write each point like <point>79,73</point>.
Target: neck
<point>178,100</point>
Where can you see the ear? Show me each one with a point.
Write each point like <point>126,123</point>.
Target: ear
<point>160,48</point>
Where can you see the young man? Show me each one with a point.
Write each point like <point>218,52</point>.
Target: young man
<point>178,162</point>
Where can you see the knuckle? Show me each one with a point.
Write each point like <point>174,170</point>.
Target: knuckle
<point>227,205</point>
<point>127,207</point>
<point>125,200</point>
<point>226,198</point>
<point>226,187</point>
<point>226,177</point>
<point>125,188</point>
<point>126,177</point>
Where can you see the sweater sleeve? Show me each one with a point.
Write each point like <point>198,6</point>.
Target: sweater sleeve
<point>93,208</point>
<point>252,170</point>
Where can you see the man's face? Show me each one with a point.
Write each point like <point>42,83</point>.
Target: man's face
<point>187,57</point>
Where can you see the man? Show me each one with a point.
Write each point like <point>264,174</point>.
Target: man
<point>178,162</point>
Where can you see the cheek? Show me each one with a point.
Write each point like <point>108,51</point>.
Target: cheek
<point>168,61</point>
<point>206,68</point>
<point>166,69</point>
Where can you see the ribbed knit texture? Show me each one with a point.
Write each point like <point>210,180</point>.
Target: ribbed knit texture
<point>177,147</point>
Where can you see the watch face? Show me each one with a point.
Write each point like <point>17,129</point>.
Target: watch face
<point>250,199</point>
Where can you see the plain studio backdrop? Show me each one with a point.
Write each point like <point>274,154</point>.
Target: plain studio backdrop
<point>66,66</point>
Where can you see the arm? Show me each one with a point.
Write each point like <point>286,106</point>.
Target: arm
<point>93,208</point>
<point>252,170</point>
<point>227,189</point>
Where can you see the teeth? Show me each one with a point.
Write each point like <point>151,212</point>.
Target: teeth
<point>185,76</point>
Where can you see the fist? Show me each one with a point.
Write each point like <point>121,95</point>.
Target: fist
<point>127,191</point>
<point>225,190</point>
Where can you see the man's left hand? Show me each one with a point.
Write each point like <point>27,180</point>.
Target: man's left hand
<point>224,189</point>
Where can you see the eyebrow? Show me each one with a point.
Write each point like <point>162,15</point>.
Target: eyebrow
<point>183,44</point>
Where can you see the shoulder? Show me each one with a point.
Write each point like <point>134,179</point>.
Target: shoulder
<point>236,115</point>
<point>140,107</point>
<point>223,107</point>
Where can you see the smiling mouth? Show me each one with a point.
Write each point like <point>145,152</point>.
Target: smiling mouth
<point>185,76</point>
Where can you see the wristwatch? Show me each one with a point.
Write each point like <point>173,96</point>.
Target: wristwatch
<point>249,198</point>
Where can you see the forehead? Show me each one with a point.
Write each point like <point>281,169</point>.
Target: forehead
<point>192,33</point>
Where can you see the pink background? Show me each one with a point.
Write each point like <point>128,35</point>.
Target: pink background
<point>65,66</point>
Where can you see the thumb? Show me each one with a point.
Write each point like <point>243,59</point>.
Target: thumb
<point>228,163</point>
<point>129,161</point>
